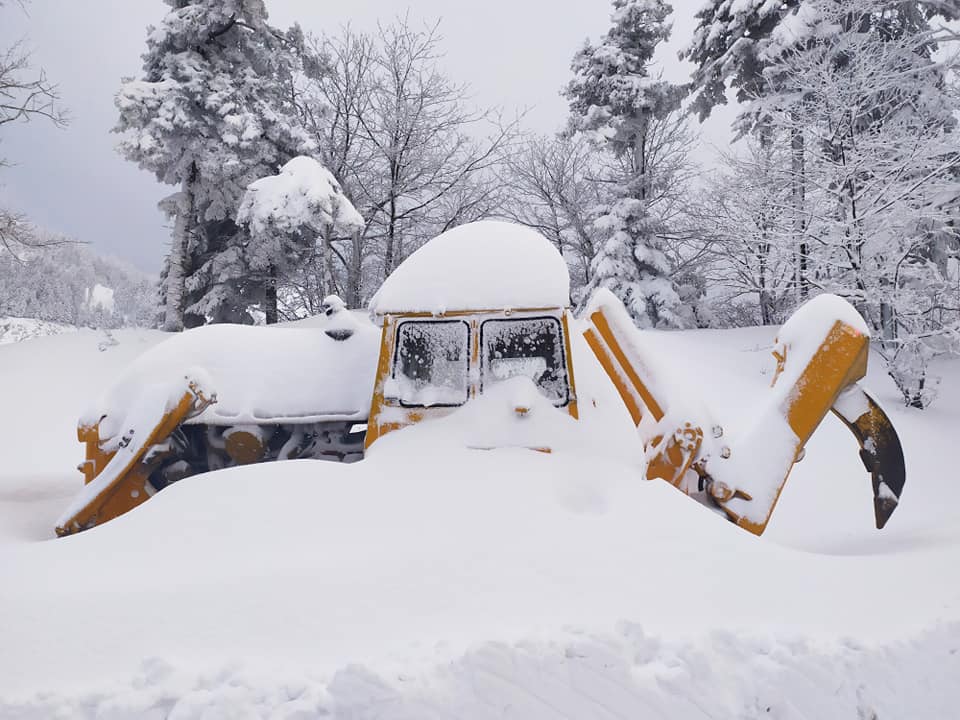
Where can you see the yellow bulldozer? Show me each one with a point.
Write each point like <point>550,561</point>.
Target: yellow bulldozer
<point>478,305</point>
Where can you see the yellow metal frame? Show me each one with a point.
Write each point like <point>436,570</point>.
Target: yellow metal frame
<point>131,487</point>
<point>399,416</point>
<point>669,456</point>
<point>839,362</point>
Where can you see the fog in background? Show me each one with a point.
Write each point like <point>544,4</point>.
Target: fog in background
<point>515,55</point>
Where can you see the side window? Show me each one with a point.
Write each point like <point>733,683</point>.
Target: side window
<point>430,364</point>
<point>532,347</point>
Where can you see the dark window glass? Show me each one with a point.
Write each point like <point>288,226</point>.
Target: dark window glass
<point>431,363</point>
<point>531,347</point>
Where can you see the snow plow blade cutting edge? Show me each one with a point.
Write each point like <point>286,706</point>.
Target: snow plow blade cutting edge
<point>821,354</point>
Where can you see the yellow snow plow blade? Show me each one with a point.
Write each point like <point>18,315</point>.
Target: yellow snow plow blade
<point>821,354</point>
<point>116,481</point>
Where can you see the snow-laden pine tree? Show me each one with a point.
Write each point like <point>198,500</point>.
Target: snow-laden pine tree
<point>731,44</point>
<point>211,113</point>
<point>293,218</point>
<point>615,100</point>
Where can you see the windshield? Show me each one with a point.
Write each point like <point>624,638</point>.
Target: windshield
<point>531,347</point>
<point>430,364</point>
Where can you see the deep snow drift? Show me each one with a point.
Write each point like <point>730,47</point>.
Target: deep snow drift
<point>431,580</point>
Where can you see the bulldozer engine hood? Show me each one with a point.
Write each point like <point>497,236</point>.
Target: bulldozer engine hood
<point>260,374</point>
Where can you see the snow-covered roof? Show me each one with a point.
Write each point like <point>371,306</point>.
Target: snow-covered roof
<point>478,266</point>
<point>260,374</point>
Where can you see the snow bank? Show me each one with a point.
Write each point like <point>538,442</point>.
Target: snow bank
<point>401,565</point>
<point>14,329</point>
<point>478,266</point>
<point>625,673</point>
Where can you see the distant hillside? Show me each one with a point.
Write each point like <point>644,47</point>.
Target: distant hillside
<point>69,284</point>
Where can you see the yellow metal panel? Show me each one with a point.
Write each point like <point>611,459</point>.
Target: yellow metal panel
<point>609,365</point>
<point>377,428</point>
<point>572,407</point>
<point>840,360</point>
<point>632,373</point>
<point>129,488</point>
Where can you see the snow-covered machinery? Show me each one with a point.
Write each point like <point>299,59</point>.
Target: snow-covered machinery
<point>479,305</point>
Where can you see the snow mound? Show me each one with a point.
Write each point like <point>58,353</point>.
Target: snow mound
<point>15,329</point>
<point>477,266</point>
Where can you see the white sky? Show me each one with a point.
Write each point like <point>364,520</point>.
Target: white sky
<point>512,53</point>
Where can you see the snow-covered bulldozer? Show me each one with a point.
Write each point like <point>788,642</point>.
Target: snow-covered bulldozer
<point>479,305</point>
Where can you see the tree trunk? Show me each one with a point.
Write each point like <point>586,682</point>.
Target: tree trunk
<point>388,254</point>
<point>798,194</point>
<point>763,251</point>
<point>766,316</point>
<point>183,228</point>
<point>888,327</point>
<point>354,273</point>
<point>326,262</point>
<point>270,296</point>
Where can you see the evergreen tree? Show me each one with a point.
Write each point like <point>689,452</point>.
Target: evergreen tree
<point>614,99</point>
<point>211,114</point>
<point>292,217</point>
<point>732,44</point>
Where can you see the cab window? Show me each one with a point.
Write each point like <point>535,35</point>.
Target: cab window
<point>531,347</point>
<point>431,363</point>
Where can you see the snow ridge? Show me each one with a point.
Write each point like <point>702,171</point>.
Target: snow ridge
<point>625,673</point>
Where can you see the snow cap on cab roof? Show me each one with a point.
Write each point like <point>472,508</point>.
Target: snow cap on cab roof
<point>486,265</point>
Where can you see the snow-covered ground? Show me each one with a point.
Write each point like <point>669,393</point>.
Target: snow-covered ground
<point>434,581</point>
<point>15,329</point>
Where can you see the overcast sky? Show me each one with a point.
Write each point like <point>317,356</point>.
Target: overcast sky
<point>512,53</point>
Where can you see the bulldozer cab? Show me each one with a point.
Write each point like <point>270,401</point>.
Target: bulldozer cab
<point>476,306</point>
<point>431,365</point>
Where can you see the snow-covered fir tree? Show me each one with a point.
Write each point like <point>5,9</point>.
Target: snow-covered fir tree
<point>731,45</point>
<point>293,218</point>
<point>211,114</point>
<point>615,100</point>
